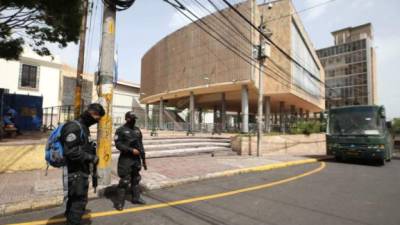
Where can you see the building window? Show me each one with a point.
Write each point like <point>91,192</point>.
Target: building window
<point>303,78</point>
<point>29,77</point>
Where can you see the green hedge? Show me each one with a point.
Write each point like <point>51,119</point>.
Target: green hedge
<point>308,127</point>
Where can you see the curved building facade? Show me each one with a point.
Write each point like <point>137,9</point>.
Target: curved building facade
<point>190,69</point>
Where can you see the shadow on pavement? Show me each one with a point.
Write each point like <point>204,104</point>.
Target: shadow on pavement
<point>319,157</point>
<point>111,194</point>
<point>360,162</point>
<point>200,214</point>
<point>86,221</point>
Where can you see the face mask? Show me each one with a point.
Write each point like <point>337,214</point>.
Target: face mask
<point>131,123</point>
<point>87,119</point>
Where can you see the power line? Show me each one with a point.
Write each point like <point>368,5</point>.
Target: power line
<point>228,47</point>
<point>274,44</point>
<point>302,10</point>
<point>93,29</point>
<point>248,28</point>
<point>242,52</point>
<point>269,39</point>
<point>89,39</point>
<point>224,23</point>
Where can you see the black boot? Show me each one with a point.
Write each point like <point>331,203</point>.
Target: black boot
<point>120,203</point>
<point>136,198</point>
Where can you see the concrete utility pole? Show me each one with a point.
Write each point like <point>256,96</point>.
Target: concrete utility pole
<point>263,52</point>
<point>106,89</point>
<point>81,61</point>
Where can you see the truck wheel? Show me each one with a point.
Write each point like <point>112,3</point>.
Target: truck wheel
<point>338,158</point>
<point>381,162</point>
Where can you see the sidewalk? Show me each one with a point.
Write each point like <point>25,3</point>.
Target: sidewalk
<point>26,191</point>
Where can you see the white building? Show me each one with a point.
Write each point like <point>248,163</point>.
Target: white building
<point>126,98</point>
<point>32,75</point>
<point>48,77</point>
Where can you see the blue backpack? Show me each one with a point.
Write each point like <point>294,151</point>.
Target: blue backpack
<point>54,152</point>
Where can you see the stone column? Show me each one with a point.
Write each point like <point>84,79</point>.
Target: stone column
<point>282,116</point>
<point>301,114</point>
<point>292,114</point>
<point>223,112</point>
<point>191,111</point>
<point>146,117</point>
<point>245,109</point>
<point>161,115</point>
<point>267,113</point>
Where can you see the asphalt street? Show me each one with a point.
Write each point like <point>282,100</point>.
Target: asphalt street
<point>324,193</point>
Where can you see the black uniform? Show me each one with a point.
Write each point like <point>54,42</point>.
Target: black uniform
<point>128,138</point>
<point>79,153</point>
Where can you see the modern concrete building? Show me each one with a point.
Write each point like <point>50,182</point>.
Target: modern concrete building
<point>189,69</point>
<point>350,67</point>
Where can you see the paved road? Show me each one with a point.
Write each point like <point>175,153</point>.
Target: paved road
<point>320,193</point>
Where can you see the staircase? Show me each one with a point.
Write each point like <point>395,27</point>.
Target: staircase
<point>185,146</point>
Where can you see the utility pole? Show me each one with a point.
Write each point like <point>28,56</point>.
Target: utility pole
<point>263,52</point>
<point>106,89</point>
<point>81,61</point>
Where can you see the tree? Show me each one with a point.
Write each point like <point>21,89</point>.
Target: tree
<point>37,23</point>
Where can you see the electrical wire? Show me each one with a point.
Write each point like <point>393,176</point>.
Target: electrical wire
<point>275,45</point>
<point>301,11</point>
<point>236,47</point>
<point>233,49</point>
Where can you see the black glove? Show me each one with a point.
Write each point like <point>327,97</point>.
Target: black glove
<point>93,144</point>
<point>93,159</point>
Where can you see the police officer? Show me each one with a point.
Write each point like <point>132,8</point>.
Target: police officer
<point>79,153</point>
<point>128,140</point>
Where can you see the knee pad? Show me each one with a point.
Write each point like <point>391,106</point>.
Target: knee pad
<point>124,182</point>
<point>136,179</point>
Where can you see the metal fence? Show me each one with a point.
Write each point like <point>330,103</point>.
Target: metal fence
<point>54,116</point>
<point>173,121</point>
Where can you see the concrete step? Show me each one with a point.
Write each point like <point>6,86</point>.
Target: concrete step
<point>187,152</point>
<point>172,146</point>
<point>184,140</point>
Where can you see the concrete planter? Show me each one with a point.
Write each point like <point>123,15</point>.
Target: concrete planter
<point>314,144</point>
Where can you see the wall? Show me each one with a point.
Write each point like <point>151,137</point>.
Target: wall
<point>68,84</point>
<point>313,144</point>
<point>189,58</point>
<point>125,99</point>
<point>49,74</point>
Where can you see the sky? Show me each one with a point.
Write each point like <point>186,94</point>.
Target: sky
<point>149,21</point>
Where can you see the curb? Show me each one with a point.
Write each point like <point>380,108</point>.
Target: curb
<point>43,203</point>
<point>161,185</point>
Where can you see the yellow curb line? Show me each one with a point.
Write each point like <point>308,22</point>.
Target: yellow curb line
<point>187,201</point>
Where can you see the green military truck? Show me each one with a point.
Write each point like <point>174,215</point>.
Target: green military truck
<point>359,132</point>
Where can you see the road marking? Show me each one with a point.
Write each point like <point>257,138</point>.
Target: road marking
<point>180,202</point>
